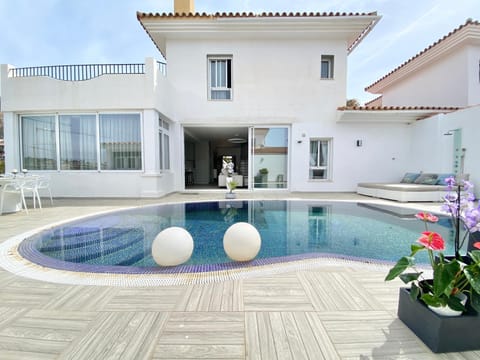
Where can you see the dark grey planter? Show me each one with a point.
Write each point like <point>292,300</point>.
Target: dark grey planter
<point>440,333</point>
<point>230,195</point>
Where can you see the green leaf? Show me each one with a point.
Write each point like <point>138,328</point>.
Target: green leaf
<point>454,303</point>
<point>399,267</point>
<point>472,273</point>
<point>475,300</point>
<point>475,255</point>
<point>409,277</point>
<point>431,300</point>
<point>444,276</point>
<point>414,292</point>
<point>416,248</point>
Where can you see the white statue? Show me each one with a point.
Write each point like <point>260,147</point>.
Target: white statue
<point>227,167</point>
<point>227,170</point>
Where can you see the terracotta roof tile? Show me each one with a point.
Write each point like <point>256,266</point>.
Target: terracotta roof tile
<point>373,100</point>
<point>141,15</point>
<point>390,108</point>
<point>467,23</point>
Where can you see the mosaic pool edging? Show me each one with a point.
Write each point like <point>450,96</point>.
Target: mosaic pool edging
<point>12,260</point>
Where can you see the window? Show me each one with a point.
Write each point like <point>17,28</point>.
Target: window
<point>326,69</point>
<point>77,142</point>
<point>120,142</point>
<point>39,147</point>
<point>219,78</point>
<point>163,144</point>
<point>320,159</point>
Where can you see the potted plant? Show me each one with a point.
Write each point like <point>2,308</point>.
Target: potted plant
<point>231,185</point>
<point>262,177</point>
<point>436,308</point>
<point>263,171</point>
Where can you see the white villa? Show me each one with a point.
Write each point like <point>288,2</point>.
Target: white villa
<point>267,90</point>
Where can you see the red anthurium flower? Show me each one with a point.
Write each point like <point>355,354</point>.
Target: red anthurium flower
<point>477,244</point>
<point>432,240</point>
<point>426,217</point>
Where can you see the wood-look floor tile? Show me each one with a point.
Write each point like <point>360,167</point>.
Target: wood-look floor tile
<point>222,296</point>
<point>145,299</point>
<point>126,335</point>
<point>336,291</point>
<point>43,333</point>
<point>283,292</point>
<point>199,335</point>
<point>287,335</point>
<point>14,294</point>
<point>84,298</point>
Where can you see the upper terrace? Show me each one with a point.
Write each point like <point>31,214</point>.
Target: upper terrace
<point>82,72</point>
<point>86,86</point>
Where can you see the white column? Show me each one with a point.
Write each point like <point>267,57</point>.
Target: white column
<point>150,142</point>
<point>12,139</point>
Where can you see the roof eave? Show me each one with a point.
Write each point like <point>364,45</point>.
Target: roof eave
<point>389,114</point>
<point>161,27</point>
<point>465,34</point>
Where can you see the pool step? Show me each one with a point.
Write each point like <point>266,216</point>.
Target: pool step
<point>115,243</point>
<point>81,238</point>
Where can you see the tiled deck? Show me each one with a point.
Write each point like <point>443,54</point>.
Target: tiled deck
<point>331,312</point>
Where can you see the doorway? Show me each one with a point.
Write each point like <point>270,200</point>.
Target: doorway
<point>204,149</point>
<point>260,156</point>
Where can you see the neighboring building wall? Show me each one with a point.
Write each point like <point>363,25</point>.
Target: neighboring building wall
<point>440,83</point>
<point>473,80</point>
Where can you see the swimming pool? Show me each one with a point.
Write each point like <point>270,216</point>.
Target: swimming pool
<point>120,242</point>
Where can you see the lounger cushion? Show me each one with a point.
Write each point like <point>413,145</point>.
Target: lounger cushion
<point>403,187</point>
<point>409,178</point>
<point>427,179</point>
<point>442,177</point>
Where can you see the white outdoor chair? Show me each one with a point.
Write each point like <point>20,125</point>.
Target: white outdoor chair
<point>27,185</point>
<point>42,183</point>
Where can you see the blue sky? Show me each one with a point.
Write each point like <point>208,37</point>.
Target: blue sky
<point>51,32</point>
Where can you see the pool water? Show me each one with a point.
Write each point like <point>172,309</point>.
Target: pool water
<point>288,228</point>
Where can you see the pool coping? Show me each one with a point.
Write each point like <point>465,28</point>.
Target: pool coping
<point>14,262</point>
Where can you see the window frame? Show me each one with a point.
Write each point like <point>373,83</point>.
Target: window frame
<point>56,117</point>
<point>326,168</point>
<point>228,76</point>
<point>164,162</point>
<point>330,61</point>
<point>60,157</point>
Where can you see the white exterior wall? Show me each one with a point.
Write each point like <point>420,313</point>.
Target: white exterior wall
<point>440,83</point>
<point>272,86</point>
<point>381,158</point>
<point>273,81</point>
<point>117,93</point>
<point>432,151</point>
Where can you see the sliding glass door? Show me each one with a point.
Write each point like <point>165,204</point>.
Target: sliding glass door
<point>269,157</point>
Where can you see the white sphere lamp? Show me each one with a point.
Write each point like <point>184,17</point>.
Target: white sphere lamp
<point>242,242</point>
<point>172,246</point>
